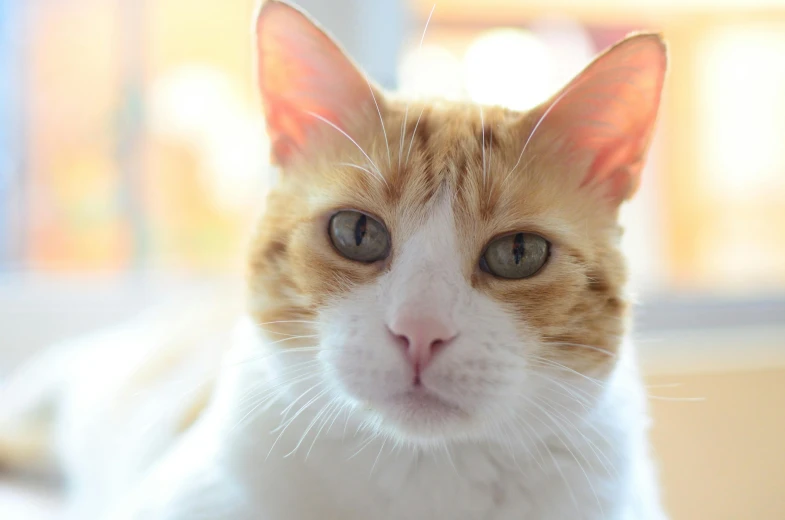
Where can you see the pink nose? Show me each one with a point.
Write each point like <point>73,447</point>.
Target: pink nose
<point>421,338</point>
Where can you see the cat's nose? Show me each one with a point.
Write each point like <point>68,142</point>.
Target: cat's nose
<point>421,337</point>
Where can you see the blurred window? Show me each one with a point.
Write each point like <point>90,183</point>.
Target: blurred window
<point>130,134</point>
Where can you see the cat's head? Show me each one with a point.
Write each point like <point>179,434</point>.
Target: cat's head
<point>444,269</point>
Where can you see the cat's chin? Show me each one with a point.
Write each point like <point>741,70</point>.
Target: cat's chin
<point>421,415</point>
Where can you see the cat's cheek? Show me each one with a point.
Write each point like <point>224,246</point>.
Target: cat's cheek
<point>319,272</point>
<point>360,358</point>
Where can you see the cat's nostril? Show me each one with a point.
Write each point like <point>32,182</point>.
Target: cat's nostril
<point>400,339</point>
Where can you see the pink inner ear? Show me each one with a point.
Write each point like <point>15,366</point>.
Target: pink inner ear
<point>301,72</point>
<point>609,111</point>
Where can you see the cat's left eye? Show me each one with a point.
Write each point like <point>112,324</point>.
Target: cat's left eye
<point>358,236</point>
<point>516,256</point>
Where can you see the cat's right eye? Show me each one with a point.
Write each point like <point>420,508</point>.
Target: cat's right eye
<point>359,237</point>
<point>515,256</point>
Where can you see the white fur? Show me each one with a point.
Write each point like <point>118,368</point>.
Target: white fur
<point>498,437</point>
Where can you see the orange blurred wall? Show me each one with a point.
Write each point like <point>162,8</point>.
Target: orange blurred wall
<point>722,458</point>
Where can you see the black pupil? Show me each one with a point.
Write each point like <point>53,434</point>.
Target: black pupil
<point>360,229</point>
<point>517,248</point>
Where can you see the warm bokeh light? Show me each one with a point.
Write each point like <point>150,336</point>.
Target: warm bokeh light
<point>143,145</point>
<point>508,67</point>
<point>513,67</point>
<point>741,157</point>
<point>430,71</point>
<point>201,108</point>
<point>570,46</point>
<point>742,72</point>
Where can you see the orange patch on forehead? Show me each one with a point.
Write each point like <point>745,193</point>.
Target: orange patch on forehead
<point>476,164</point>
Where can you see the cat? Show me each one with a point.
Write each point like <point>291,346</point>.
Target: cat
<point>435,323</point>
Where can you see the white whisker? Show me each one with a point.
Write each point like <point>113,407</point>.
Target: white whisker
<point>381,120</point>
<point>599,454</point>
<point>581,345</point>
<point>557,465</point>
<point>556,364</point>
<point>414,132</point>
<point>358,167</point>
<point>367,442</point>
<point>277,333</point>
<point>564,443</point>
<point>400,140</point>
<point>446,449</point>
<point>527,430</point>
<point>287,321</point>
<point>337,128</point>
<point>290,421</point>
<point>335,409</point>
<point>508,443</point>
<point>376,461</point>
<point>286,410</point>
<point>490,157</point>
<point>537,126</point>
<point>283,377</point>
<point>346,423</point>
<point>316,417</point>
<point>292,337</point>
<point>585,398</point>
<point>268,399</point>
<point>427,22</point>
<point>269,393</point>
<point>266,356</point>
<point>677,399</point>
<point>338,414</point>
<point>482,126</point>
<point>403,130</point>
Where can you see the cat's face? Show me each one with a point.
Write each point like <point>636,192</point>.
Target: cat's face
<point>455,268</point>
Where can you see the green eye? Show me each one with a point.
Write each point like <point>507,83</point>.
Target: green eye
<point>359,237</point>
<point>515,256</point>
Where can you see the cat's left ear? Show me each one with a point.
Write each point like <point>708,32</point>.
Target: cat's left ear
<point>606,115</point>
<point>305,80</point>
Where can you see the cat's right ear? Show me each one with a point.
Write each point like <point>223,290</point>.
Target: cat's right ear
<point>305,80</point>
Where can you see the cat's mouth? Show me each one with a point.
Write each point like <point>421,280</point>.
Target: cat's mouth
<point>419,398</point>
<point>421,412</point>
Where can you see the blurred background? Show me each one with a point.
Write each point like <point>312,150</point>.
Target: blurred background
<point>133,162</point>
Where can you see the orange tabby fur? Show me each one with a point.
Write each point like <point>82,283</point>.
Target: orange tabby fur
<point>577,298</point>
<point>504,172</point>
